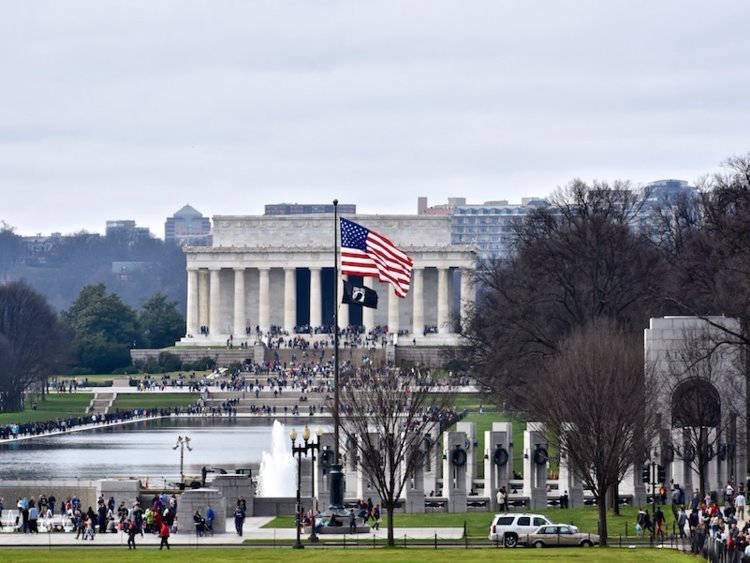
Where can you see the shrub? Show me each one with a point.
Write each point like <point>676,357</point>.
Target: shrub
<point>169,362</point>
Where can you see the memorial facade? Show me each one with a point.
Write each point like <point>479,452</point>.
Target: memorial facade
<point>259,268</point>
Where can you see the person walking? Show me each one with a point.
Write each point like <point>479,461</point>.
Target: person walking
<point>210,516</point>
<point>681,521</point>
<point>739,505</point>
<point>132,531</point>
<point>164,534</point>
<point>352,522</point>
<point>239,519</point>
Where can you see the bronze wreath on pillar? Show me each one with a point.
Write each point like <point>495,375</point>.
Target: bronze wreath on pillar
<point>458,456</point>
<point>500,457</point>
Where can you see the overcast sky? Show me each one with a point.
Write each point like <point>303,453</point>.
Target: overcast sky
<point>132,109</point>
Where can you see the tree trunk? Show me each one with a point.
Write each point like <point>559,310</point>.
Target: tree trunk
<point>601,502</point>
<point>613,496</point>
<point>390,524</point>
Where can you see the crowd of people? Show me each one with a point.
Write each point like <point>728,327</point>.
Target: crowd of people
<point>12,431</point>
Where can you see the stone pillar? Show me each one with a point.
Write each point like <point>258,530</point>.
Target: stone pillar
<point>316,305</point>
<point>343,308</point>
<point>240,323</point>
<point>393,312</point>
<point>368,314</point>
<point>322,489</point>
<point>468,296</point>
<point>290,299</point>
<point>264,304</point>
<point>496,473</point>
<point>365,485</point>
<point>432,471</point>
<point>203,318</point>
<point>454,476</point>
<point>417,281</point>
<point>470,429</point>
<point>632,484</point>
<point>199,499</point>
<point>193,313</point>
<point>443,303</point>
<point>232,487</point>
<point>568,481</point>
<point>534,474</point>
<point>415,488</point>
<point>214,313</point>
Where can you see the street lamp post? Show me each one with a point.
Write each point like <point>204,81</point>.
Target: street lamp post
<point>182,443</point>
<point>299,450</point>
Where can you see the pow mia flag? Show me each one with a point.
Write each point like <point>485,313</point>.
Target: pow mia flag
<point>359,295</point>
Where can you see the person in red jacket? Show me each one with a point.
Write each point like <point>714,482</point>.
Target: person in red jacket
<point>164,533</point>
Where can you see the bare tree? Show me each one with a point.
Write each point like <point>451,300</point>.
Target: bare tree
<point>31,344</point>
<point>576,260</point>
<point>595,399</point>
<point>707,397</point>
<point>387,415</point>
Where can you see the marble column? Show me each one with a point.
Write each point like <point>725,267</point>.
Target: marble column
<point>343,308</point>
<point>393,300</point>
<point>443,304</point>
<point>203,297</point>
<point>368,314</point>
<point>240,322</point>
<point>468,296</point>
<point>192,320</point>
<point>264,304</point>
<point>417,287</point>
<point>290,299</point>
<point>316,310</point>
<point>214,308</point>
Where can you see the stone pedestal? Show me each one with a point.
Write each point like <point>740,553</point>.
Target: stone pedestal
<point>432,465</point>
<point>470,429</point>
<point>126,490</point>
<point>534,474</point>
<point>454,476</point>
<point>199,499</point>
<point>232,487</point>
<point>496,476</point>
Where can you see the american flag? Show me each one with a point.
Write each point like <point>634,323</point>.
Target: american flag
<point>367,253</point>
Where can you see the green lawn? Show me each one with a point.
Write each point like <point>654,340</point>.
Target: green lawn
<point>126,401</point>
<point>478,523</point>
<point>375,555</point>
<point>53,406</point>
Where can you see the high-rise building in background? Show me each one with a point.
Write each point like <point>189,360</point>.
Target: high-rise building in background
<point>126,228</point>
<point>487,225</point>
<point>308,208</point>
<point>188,226</point>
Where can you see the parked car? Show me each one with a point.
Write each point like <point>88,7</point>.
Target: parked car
<point>508,527</point>
<point>558,535</point>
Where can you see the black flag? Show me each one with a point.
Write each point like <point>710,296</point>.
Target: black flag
<point>359,295</point>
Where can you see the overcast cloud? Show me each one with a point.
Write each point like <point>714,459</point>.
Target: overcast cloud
<point>132,109</point>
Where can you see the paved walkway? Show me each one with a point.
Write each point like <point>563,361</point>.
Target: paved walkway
<point>252,531</point>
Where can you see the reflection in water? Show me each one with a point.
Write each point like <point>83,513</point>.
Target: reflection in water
<point>142,449</point>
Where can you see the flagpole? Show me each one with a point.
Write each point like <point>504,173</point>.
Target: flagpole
<point>335,332</point>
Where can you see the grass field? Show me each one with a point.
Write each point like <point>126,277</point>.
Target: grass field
<point>379,555</point>
<point>478,523</point>
<point>126,401</point>
<point>53,406</point>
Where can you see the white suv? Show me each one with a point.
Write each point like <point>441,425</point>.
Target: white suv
<point>509,526</point>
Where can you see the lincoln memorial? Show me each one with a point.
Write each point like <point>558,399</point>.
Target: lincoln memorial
<point>277,271</point>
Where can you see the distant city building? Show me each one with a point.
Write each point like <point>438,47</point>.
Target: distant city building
<point>124,271</point>
<point>126,228</point>
<point>188,226</point>
<point>308,208</point>
<point>442,209</point>
<point>488,225</point>
<point>39,248</point>
<point>662,197</point>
